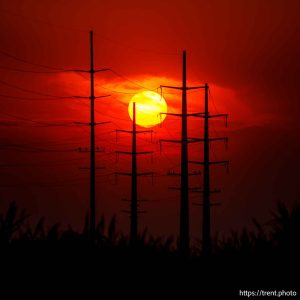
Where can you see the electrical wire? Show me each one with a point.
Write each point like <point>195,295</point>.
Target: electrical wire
<point>30,91</point>
<point>101,36</point>
<point>33,71</point>
<point>29,62</point>
<point>21,98</point>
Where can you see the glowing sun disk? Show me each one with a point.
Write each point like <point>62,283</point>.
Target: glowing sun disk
<point>149,106</point>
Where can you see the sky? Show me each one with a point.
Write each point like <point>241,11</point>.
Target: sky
<point>248,53</point>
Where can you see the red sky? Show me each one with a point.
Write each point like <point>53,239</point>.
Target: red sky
<point>248,51</point>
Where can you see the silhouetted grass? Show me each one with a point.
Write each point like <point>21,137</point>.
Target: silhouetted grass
<point>280,235</point>
<point>267,255</point>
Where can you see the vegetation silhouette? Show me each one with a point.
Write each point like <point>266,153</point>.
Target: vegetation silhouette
<point>267,254</point>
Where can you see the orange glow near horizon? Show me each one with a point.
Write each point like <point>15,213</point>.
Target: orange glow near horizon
<point>149,106</point>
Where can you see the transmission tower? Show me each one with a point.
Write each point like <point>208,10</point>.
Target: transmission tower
<point>184,233</point>
<point>207,191</point>
<point>93,149</point>
<point>134,175</point>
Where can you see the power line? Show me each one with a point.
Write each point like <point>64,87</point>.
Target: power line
<point>21,98</point>
<point>129,80</point>
<point>129,46</point>
<point>41,124</point>
<point>133,82</point>
<point>115,91</point>
<point>101,36</point>
<point>33,149</point>
<point>59,70</point>
<point>105,114</point>
<point>30,91</point>
<point>39,164</point>
<point>29,62</point>
<point>31,19</point>
<point>33,71</point>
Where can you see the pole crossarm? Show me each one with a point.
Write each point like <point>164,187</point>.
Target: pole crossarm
<point>172,173</point>
<point>181,88</point>
<point>203,115</point>
<point>132,153</point>
<point>144,152</point>
<point>101,70</point>
<point>221,115</point>
<point>138,174</point>
<point>97,149</point>
<point>197,114</point>
<point>88,168</point>
<point>89,124</point>
<point>171,114</point>
<point>90,71</point>
<point>100,123</point>
<point>196,87</point>
<point>126,131</point>
<point>124,152</point>
<point>171,87</point>
<point>180,115</point>
<point>196,140</point>
<point>145,174</point>
<point>137,131</point>
<point>220,162</point>
<point>123,173</point>
<point>171,141</point>
<point>218,116</point>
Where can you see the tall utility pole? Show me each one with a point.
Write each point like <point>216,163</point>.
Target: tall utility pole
<point>134,204</point>
<point>134,175</point>
<point>92,150</point>
<point>92,153</point>
<point>206,191</point>
<point>184,235</point>
<point>206,232</point>
<point>184,192</point>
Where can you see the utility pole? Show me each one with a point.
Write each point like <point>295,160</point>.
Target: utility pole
<point>206,191</point>
<point>184,192</point>
<point>134,204</point>
<point>206,226</point>
<point>93,149</point>
<point>92,145</point>
<point>134,175</point>
<point>184,235</point>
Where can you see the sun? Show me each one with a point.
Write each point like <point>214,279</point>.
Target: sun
<point>149,106</point>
